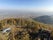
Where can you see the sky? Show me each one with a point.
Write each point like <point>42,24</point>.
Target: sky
<point>31,5</point>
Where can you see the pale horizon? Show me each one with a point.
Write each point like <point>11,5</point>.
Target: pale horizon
<point>27,5</point>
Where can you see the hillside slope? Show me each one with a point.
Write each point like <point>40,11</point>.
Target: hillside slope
<point>23,25</point>
<point>44,19</point>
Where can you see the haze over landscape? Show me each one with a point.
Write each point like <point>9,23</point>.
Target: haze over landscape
<point>26,19</point>
<point>35,6</point>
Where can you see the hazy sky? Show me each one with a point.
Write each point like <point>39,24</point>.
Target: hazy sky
<point>32,5</point>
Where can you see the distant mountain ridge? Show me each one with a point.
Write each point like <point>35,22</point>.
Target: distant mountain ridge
<point>44,19</point>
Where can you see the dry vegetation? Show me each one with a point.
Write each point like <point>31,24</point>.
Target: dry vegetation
<point>20,28</point>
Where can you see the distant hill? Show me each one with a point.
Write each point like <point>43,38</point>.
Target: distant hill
<point>44,19</point>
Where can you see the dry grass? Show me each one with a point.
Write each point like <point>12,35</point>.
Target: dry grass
<point>14,23</point>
